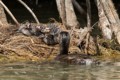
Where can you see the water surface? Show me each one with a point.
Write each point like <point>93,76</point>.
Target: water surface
<point>58,71</point>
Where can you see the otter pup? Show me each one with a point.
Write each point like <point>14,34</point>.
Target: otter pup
<point>25,29</point>
<point>30,30</point>
<point>52,37</point>
<point>49,34</point>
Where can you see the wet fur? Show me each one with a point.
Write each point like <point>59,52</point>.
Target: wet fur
<point>64,42</point>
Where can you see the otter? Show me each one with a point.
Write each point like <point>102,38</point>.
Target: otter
<point>25,29</point>
<point>64,42</point>
<point>31,30</point>
<point>63,56</point>
<point>50,39</point>
<point>49,34</point>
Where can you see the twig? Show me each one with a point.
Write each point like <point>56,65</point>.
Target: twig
<point>9,49</point>
<point>51,50</point>
<point>95,24</point>
<point>34,52</point>
<point>44,46</point>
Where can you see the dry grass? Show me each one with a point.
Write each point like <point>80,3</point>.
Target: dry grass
<point>17,47</point>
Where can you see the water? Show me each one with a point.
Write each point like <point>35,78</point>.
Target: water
<point>57,71</point>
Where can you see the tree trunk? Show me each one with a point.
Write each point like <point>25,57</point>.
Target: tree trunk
<point>111,17</point>
<point>103,22</point>
<point>61,10</point>
<point>3,19</point>
<point>67,14</point>
<point>71,19</point>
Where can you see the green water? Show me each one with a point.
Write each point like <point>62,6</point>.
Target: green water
<point>57,71</point>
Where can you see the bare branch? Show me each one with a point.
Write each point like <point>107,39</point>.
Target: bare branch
<point>28,8</point>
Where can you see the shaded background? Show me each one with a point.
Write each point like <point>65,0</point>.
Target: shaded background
<point>47,9</point>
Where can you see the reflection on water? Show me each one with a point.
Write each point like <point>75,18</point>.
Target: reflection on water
<point>57,71</point>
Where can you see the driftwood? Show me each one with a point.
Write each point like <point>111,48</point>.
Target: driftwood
<point>9,12</point>
<point>25,5</point>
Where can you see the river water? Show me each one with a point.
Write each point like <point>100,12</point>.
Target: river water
<point>58,71</point>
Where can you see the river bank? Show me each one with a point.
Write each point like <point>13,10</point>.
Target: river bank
<point>16,47</point>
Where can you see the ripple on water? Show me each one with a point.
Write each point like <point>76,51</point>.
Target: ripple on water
<point>48,71</point>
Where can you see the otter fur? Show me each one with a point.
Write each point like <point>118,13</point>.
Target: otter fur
<point>64,42</point>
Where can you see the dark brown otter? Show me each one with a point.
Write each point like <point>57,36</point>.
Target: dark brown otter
<point>81,59</point>
<point>50,39</point>
<point>64,42</point>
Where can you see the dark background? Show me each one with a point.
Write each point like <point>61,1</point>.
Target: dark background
<point>47,9</point>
